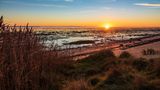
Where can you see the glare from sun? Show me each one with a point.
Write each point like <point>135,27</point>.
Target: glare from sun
<point>107,26</point>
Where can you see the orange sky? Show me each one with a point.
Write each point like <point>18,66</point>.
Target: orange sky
<point>118,13</point>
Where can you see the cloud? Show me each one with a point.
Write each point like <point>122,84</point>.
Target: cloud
<point>148,4</point>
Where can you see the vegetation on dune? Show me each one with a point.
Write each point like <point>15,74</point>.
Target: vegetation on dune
<point>77,85</point>
<point>25,64</point>
<point>112,73</point>
<point>150,52</point>
<point>125,55</point>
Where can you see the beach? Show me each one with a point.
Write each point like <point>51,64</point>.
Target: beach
<point>137,51</point>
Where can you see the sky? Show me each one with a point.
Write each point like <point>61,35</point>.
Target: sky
<point>118,13</point>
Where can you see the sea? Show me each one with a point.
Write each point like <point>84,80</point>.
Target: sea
<point>64,37</point>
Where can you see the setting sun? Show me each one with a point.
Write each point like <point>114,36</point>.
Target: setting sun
<point>107,26</point>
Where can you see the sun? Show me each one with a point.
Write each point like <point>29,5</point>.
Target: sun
<point>107,26</point>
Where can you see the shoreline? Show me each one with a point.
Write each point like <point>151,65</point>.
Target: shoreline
<point>86,51</point>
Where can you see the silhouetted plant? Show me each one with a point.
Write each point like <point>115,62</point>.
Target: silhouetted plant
<point>94,81</point>
<point>102,55</point>
<point>118,78</point>
<point>144,52</point>
<point>149,52</point>
<point>1,21</point>
<point>24,62</point>
<point>125,55</point>
<point>18,50</point>
<point>140,64</point>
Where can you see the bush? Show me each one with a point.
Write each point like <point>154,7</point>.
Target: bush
<point>118,78</point>
<point>94,81</point>
<point>149,52</point>
<point>140,64</point>
<point>24,62</point>
<point>101,55</point>
<point>19,52</point>
<point>125,55</point>
<point>154,68</point>
<point>95,63</point>
<point>141,83</point>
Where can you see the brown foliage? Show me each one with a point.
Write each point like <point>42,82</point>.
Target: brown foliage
<point>24,62</point>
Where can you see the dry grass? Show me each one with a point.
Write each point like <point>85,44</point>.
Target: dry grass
<point>77,85</point>
<point>24,62</point>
